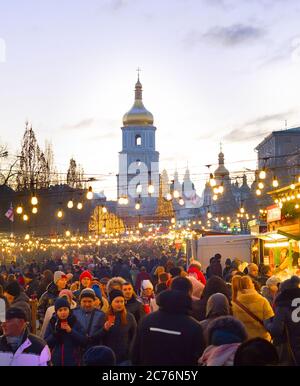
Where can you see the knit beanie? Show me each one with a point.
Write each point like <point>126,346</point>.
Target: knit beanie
<point>61,302</point>
<point>59,275</point>
<point>146,284</point>
<point>68,293</point>
<point>88,293</point>
<point>115,294</point>
<point>13,289</point>
<point>85,274</point>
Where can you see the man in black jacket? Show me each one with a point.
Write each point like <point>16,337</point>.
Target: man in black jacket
<point>169,336</point>
<point>132,304</point>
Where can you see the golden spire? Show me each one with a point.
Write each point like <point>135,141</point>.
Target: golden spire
<point>138,115</point>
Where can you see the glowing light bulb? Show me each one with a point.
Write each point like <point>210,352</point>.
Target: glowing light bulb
<point>34,210</point>
<point>34,200</point>
<point>19,210</point>
<point>258,192</point>
<point>79,206</point>
<point>90,194</point>
<point>275,182</point>
<point>25,217</point>
<point>70,204</point>
<point>137,206</point>
<point>59,214</point>
<point>262,174</point>
<point>176,194</point>
<point>261,185</point>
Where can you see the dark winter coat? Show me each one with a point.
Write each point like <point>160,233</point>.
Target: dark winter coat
<point>120,337</point>
<point>64,346</point>
<point>47,299</point>
<point>136,308</point>
<point>32,288</point>
<point>283,320</point>
<point>169,336</point>
<point>215,269</point>
<point>92,330</point>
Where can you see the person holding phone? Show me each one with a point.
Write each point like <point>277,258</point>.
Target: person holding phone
<point>119,328</point>
<point>64,335</point>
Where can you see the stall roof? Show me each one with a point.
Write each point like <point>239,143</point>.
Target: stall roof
<point>272,236</point>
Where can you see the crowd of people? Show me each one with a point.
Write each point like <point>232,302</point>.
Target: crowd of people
<point>146,306</point>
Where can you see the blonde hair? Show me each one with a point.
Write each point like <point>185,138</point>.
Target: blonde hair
<point>159,270</point>
<point>240,283</point>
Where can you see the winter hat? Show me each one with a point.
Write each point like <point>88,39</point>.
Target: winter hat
<point>104,280</point>
<point>227,262</point>
<point>146,284</point>
<point>15,313</point>
<point>61,302</point>
<point>67,293</point>
<point>88,293</point>
<point>226,330</point>
<point>273,280</point>
<point>97,291</point>
<point>115,294</point>
<point>59,275</point>
<point>85,274</point>
<point>13,289</point>
<point>99,356</point>
<point>291,283</point>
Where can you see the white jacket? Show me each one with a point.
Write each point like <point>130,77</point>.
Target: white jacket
<point>32,352</point>
<point>2,310</point>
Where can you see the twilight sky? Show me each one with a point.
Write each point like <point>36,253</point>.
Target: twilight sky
<point>212,70</point>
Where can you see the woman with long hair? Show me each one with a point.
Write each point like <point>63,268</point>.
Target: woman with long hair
<point>119,329</point>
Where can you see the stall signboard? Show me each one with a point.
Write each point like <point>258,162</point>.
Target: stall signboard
<point>273,213</point>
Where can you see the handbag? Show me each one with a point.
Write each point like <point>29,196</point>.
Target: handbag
<point>250,313</point>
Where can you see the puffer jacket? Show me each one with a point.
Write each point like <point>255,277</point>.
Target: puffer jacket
<point>64,346</point>
<point>259,306</point>
<point>283,322</point>
<point>169,336</point>
<point>33,351</point>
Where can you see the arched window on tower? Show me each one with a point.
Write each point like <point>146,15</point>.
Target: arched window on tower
<point>138,162</point>
<point>138,140</point>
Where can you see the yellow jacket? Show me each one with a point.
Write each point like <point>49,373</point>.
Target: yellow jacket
<point>259,306</point>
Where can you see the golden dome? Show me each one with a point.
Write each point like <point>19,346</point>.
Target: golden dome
<point>138,115</point>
